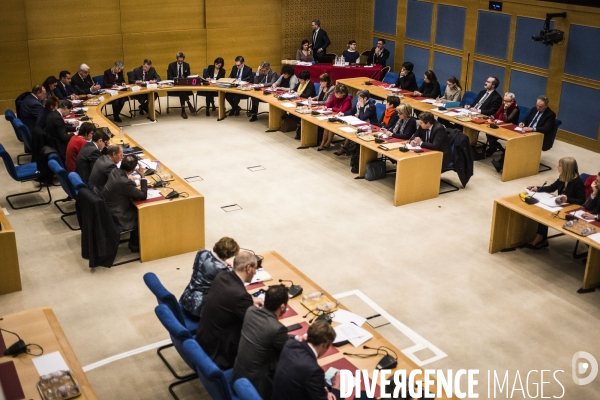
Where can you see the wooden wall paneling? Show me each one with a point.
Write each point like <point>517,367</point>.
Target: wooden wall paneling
<point>400,34</point>
<point>49,56</point>
<point>159,16</point>
<point>71,18</point>
<point>14,67</point>
<point>161,48</point>
<point>365,18</point>
<point>238,14</point>
<point>12,21</point>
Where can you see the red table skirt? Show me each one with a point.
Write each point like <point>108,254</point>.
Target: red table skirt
<point>337,72</point>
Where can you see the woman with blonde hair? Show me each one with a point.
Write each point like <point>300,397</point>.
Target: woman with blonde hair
<point>406,125</point>
<point>206,267</point>
<point>570,190</point>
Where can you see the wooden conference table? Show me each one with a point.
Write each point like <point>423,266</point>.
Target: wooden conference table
<point>336,72</point>
<point>280,268</point>
<point>41,327</point>
<point>514,223</point>
<point>417,176</point>
<point>523,151</point>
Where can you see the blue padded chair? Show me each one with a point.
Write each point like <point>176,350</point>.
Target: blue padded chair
<point>215,381</point>
<point>178,334</point>
<point>76,181</point>
<point>468,98</point>
<point>163,296</point>
<point>65,183</point>
<point>419,81</point>
<point>379,110</point>
<point>244,390</point>
<point>549,142</point>
<point>22,173</point>
<point>391,78</point>
<point>99,79</point>
<point>317,87</point>
<point>442,89</point>
<point>523,112</point>
<point>9,115</point>
<point>23,132</point>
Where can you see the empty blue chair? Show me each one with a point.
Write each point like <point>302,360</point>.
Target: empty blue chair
<point>178,334</point>
<point>317,87</point>
<point>24,133</point>
<point>379,109</point>
<point>22,173</point>
<point>99,79</point>
<point>468,98</point>
<point>549,142</point>
<point>9,115</point>
<point>244,390</point>
<point>391,78</point>
<point>56,157</point>
<point>65,183</point>
<point>215,381</point>
<point>76,181</point>
<point>523,112</point>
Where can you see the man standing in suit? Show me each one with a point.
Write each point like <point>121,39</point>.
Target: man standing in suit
<point>540,119</point>
<point>57,128</point>
<point>241,72</point>
<point>263,337</point>
<point>320,40</point>
<point>118,194</point>
<point>89,154</point>
<point>298,375</point>
<point>431,134</point>
<point>82,83</point>
<point>379,54</point>
<point>265,77</point>
<point>181,69</point>
<point>32,106</point>
<point>224,310</point>
<point>104,166</point>
<point>145,73</point>
<point>63,89</point>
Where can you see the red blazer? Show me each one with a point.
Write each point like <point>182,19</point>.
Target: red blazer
<point>339,105</point>
<point>73,149</point>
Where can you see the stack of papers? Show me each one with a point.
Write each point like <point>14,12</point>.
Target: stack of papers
<point>50,363</point>
<point>348,129</point>
<point>411,147</point>
<point>595,237</point>
<point>351,333</point>
<point>430,101</point>
<point>352,120</point>
<point>579,214</point>
<point>324,111</point>
<point>153,194</point>
<point>288,105</point>
<point>260,276</point>
<point>545,201</point>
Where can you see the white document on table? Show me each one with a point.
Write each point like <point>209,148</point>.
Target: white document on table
<point>452,113</point>
<point>361,339</point>
<point>322,118</point>
<point>50,363</point>
<point>595,237</point>
<point>579,214</point>
<point>146,162</point>
<point>461,110</point>
<point>153,194</point>
<point>343,316</point>
<point>260,276</point>
<point>551,202</point>
<point>325,112</point>
<point>288,105</point>
<point>430,101</point>
<point>411,147</point>
<point>347,331</point>
<point>440,111</point>
<point>519,129</point>
<point>352,120</point>
<point>348,129</point>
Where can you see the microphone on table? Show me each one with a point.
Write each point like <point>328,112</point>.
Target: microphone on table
<point>530,199</point>
<point>16,348</point>
<point>295,290</point>
<point>405,149</point>
<point>387,361</point>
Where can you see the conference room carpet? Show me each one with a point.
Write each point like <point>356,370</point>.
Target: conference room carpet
<point>427,264</point>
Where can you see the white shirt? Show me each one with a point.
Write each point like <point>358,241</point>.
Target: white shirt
<point>313,349</point>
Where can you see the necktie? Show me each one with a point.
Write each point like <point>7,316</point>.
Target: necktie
<point>240,74</point>
<point>144,77</point>
<point>483,99</point>
<point>535,120</point>
<point>314,40</point>
<point>180,71</point>
<point>427,136</point>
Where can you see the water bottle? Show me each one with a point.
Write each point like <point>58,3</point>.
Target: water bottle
<point>121,133</point>
<point>312,296</point>
<point>158,168</point>
<point>329,306</point>
<point>369,130</point>
<point>310,103</point>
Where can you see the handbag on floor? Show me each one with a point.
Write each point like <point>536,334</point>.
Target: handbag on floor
<point>289,122</point>
<point>375,170</point>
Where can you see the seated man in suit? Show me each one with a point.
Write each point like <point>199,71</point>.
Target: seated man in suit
<point>379,54</point>
<point>181,69</point>
<point>145,73</point>
<point>57,128</point>
<point>89,154</point>
<point>487,102</point>
<point>263,337</point>
<point>104,166</point>
<point>431,134</point>
<point>592,204</point>
<point>63,89</point>
<point>76,143</point>
<point>298,375</point>
<point>320,40</point>
<point>118,194</point>
<point>224,310</point>
<point>540,119</point>
<point>241,72</point>
<point>32,106</point>
<point>82,82</point>
<point>265,77</point>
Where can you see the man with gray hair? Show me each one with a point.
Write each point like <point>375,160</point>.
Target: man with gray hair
<point>265,77</point>
<point>224,308</point>
<point>540,119</point>
<point>181,69</point>
<point>104,166</point>
<point>82,82</point>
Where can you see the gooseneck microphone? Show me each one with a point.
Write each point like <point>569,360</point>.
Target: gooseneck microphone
<point>16,348</point>
<point>530,199</point>
<point>294,291</point>
<point>387,361</point>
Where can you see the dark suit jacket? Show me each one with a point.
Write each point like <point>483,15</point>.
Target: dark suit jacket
<point>593,205</point>
<point>80,85</point>
<point>263,337</point>
<point>491,105</point>
<point>210,72</point>
<point>438,140</point>
<point>173,70</point>
<point>431,90</point>
<point>410,128</point>
<point>63,92</point>
<point>309,90</point>
<point>367,113</point>
<point>321,42</point>
<point>118,193</point>
<point>391,123</point>
<point>110,79</point>
<point>31,108</point>
<point>545,123</point>
<point>222,318</point>
<point>86,159</point>
<point>407,82</point>
<point>57,129</point>
<point>575,191</point>
<point>381,59</point>
<point>151,75</point>
<point>100,172</point>
<point>246,73</point>
<point>298,375</point>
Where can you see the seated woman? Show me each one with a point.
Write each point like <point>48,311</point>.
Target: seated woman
<point>405,126</point>
<point>214,71</point>
<point>390,116</point>
<point>508,112</point>
<point>305,88</point>
<point>326,90</point>
<point>453,90</point>
<point>50,84</point>
<point>206,267</point>
<point>351,55</point>
<point>407,79</point>
<point>430,87</point>
<point>339,103</point>
<point>570,189</point>
<point>592,204</point>
<point>113,79</point>
<point>287,79</point>
<point>363,110</point>
<point>51,105</point>
<point>304,53</point>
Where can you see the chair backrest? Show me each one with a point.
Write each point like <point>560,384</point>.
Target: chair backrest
<point>212,377</point>
<point>178,332</point>
<point>391,78</point>
<point>18,102</point>
<point>384,72</point>
<point>63,178</point>
<point>99,79</point>
<point>523,112</point>
<point>442,89</point>
<point>468,98</point>
<point>327,59</point>
<point>130,77</point>
<point>245,390</point>
<point>204,72</point>
<point>163,296</point>
<point>550,136</point>
<point>365,53</point>
<point>23,131</point>
<point>379,110</point>
<point>56,157</point>
<point>8,162</point>
<point>317,87</point>
<point>9,115</point>
<point>76,181</point>
<point>419,81</point>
